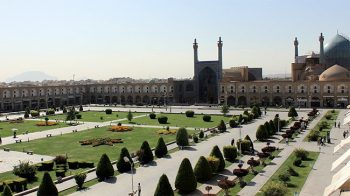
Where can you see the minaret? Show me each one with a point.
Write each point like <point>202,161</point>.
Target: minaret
<point>296,43</point>
<point>220,58</point>
<point>321,39</point>
<point>195,50</point>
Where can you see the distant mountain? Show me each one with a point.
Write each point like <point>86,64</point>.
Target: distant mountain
<point>288,75</point>
<point>31,76</point>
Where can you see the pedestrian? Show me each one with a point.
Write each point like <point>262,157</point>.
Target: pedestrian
<point>0,140</point>
<point>339,125</point>
<point>233,142</point>
<point>287,140</point>
<point>335,124</point>
<point>347,133</point>
<point>321,141</point>
<point>344,134</point>
<point>139,189</point>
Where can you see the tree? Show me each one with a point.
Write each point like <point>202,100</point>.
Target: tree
<point>122,165</point>
<point>217,153</point>
<point>47,187</point>
<point>268,128</point>
<point>225,109</point>
<point>146,155</point>
<point>182,137</point>
<point>164,187</point>
<point>261,133</point>
<point>202,170</point>
<point>230,152</point>
<point>222,126</point>
<point>161,149</point>
<point>104,168</point>
<point>185,180</point>
<point>71,115</point>
<point>81,108</point>
<point>272,126</point>
<point>129,116</point>
<point>255,112</point>
<point>7,191</point>
<point>275,189</point>
<point>46,120</point>
<point>251,142</point>
<point>80,179</point>
<point>292,112</point>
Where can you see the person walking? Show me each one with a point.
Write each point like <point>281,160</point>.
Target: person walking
<point>344,134</point>
<point>139,189</point>
<point>0,140</point>
<point>233,142</point>
<point>339,125</point>
<point>335,124</point>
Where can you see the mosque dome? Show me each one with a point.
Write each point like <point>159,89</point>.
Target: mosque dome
<point>335,73</point>
<point>337,51</point>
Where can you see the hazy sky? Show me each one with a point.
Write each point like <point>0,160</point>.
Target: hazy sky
<point>101,39</point>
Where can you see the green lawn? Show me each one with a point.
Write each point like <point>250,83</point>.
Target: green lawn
<point>296,182</point>
<point>95,116</point>
<point>26,125</point>
<point>330,123</point>
<point>180,120</point>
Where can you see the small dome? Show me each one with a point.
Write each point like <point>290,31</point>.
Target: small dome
<point>335,73</point>
<point>337,51</point>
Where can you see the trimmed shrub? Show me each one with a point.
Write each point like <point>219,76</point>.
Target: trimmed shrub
<point>313,135</point>
<point>47,165</point>
<point>60,159</point>
<point>240,118</point>
<point>217,153</point>
<point>60,173</point>
<point>272,127</point>
<point>73,165</point>
<point>78,116</point>
<point>261,133</point>
<point>202,170</point>
<point>185,180</point>
<point>164,188</point>
<point>7,191</point>
<point>122,165</point>
<point>255,111</point>
<point>163,120</point>
<point>206,118</point>
<point>152,115</point>
<point>189,113</point>
<point>245,144</point>
<point>47,187</point>
<point>104,168</point>
<point>161,149</point>
<point>232,123</point>
<point>80,179</point>
<point>301,153</point>
<point>222,126</point>
<point>108,111</point>
<point>251,142</point>
<point>195,138</point>
<point>230,153</point>
<point>26,114</point>
<point>146,155</point>
<point>292,112</point>
<point>129,116</point>
<point>25,170</point>
<point>297,162</point>
<point>268,128</point>
<point>275,189</point>
<point>213,162</point>
<point>201,134</point>
<point>292,172</point>
<point>81,108</point>
<point>284,177</point>
<point>182,137</point>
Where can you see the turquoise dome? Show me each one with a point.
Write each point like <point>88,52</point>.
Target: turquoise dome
<point>337,51</point>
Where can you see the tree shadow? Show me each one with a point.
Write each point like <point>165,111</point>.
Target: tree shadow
<point>189,148</point>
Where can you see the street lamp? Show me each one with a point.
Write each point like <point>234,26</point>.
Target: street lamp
<point>240,138</point>
<point>126,159</point>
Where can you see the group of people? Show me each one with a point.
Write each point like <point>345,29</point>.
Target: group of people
<point>335,124</point>
<point>346,134</point>
<point>321,141</point>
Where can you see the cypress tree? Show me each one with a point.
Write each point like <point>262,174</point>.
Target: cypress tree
<point>251,142</point>
<point>272,126</point>
<point>161,148</point>
<point>146,155</point>
<point>47,187</point>
<point>104,168</point>
<point>185,180</point>
<point>182,137</point>
<point>268,128</point>
<point>222,126</point>
<point>292,112</point>
<point>217,153</point>
<point>164,188</point>
<point>122,165</point>
<point>202,170</point>
<point>261,133</point>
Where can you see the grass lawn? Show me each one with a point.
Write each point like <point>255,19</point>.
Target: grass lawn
<point>296,182</point>
<point>180,120</point>
<point>248,178</point>
<point>95,116</point>
<point>26,125</point>
<point>330,123</point>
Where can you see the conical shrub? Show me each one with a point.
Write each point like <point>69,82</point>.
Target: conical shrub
<point>146,155</point>
<point>122,165</point>
<point>182,137</point>
<point>185,180</point>
<point>164,188</point>
<point>161,148</point>
<point>47,187</point>
<point>222,126</point>
<point>261,133</point>
<point>104,168</point>
<point>217,153</point>
<point>202,170</point>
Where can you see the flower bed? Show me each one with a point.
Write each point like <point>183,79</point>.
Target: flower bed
<point>116,128</point>
<point>100,141</point>
<point>48,123</point>
<point>166,132</point>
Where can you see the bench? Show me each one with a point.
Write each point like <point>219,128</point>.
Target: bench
<point>7,149</point>
<point>75,130</point>
<point>30,152</point>
<point>49,135</point>
<point>18,140</point>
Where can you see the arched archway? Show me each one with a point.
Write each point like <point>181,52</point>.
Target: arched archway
<point>277,101</point>
<point>130,100</point>
<point>242,101</point>
<point>207,86</point>
<point>114,99</point>
<point>138,99</point>
<point>122,100</point>
<point>315,102</point>
<point>145,99</point>
<point>231,101</point>
<point>265,101</point>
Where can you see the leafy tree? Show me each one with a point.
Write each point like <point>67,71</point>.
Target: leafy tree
<point>255,112</point>
<point>81,108</point>
<point>292,112</point>
<point>202,170</point>
<point>80,179</point>
<point>230,152</point>
<point>232,123</point>
<point>275,189</point>
<point>217,153</point>
<point>182,137</point>
<point>7,191</point>
<point>129,116</point>
<point>47,187</point>
<point>222,126</point>
<point>164,188</point>
<point>122,165</point>
<point>71,115</point>
<point>104,168</point>
<point>152,115</point>
<point>161,149</point>
<point>272,126</point>
<point>146,155</point>
<point>185,180</point>
<point>225,109</point>
<point>268,128</point>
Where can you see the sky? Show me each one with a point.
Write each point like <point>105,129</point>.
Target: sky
<point>153,38</point>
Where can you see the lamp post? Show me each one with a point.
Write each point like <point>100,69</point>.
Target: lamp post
<point>126,159</point>
<point>240,138</point>
<point>278,124</point>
